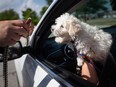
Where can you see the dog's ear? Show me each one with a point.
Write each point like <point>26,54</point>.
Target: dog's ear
<point>74,29</point>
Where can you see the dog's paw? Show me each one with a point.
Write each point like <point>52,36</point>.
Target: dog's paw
<point>59,40</point>
<point>80,61</point>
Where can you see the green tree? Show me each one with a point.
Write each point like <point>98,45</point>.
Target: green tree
<point>30,13</point>
<point>43,11</point>
<point>9,15</point>
<point>92,7</point>
<point>49,2</point>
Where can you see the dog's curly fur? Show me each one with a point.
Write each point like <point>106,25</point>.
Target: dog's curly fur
<point>85,37</point>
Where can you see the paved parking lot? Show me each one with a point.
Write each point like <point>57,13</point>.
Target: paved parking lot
<point>12,77</point>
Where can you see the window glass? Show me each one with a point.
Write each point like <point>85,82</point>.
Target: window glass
<point>99,13</point>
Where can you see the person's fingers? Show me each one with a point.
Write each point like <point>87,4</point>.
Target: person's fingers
<point>30,32</point>
<point>26,30</point>
<point>31,28</point>
<point>16,37</point>
<point>17,22</point>
<point>26,27</point>
<point>20,31</point>
<point>12,42</point>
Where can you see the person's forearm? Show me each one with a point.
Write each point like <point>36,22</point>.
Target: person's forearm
<point>89,73</point>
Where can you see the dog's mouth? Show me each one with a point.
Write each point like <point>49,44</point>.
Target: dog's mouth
<point>60,34</point>
<point>57,34</point>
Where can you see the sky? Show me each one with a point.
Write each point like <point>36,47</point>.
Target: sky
<point>20,5</point>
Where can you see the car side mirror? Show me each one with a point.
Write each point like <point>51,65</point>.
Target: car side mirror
<point>15,51</point>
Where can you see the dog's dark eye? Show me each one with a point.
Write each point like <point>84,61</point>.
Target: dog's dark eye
<point>62,26</point>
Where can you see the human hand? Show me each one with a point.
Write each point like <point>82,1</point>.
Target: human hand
<point>12,30</point>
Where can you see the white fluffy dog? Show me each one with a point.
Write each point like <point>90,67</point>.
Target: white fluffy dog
<point>88,40</point>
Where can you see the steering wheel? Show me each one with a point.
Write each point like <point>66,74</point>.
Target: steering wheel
<point>57,53</point>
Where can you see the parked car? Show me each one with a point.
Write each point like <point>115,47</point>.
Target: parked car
<point>50,64</point>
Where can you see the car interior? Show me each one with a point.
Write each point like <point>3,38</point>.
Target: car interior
<point>61,60</point>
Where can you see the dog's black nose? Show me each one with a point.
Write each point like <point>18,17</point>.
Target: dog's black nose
<point>52,29</point>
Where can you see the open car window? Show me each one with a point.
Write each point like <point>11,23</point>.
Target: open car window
<point>99,13</point>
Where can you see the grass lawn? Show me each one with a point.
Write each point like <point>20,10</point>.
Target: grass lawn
<point>102,21</point>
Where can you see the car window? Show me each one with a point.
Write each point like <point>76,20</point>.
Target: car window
<point>99,13</point>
